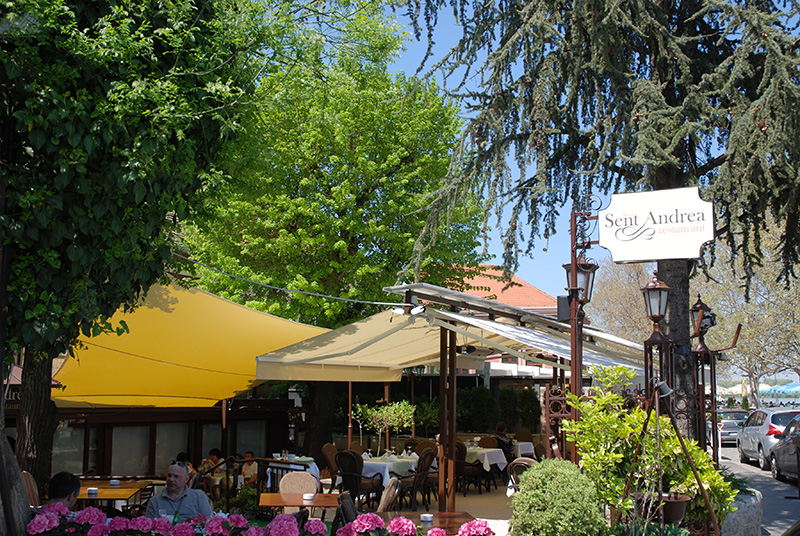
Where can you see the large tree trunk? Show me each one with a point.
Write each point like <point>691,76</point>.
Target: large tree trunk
<point>38,418</point>
<point>14,490</point>
<point>319,419</point>
<point>675,273</point>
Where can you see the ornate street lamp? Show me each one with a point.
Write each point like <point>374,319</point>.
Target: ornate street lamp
<point>583,283</point>
<point>655,294</point>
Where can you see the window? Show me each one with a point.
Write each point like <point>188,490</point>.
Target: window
<point>130,453</point>
<point>68,449</point>
<point>171,438</point>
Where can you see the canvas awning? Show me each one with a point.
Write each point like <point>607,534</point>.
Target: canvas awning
<point>185,348</point>
<point>379,347</point>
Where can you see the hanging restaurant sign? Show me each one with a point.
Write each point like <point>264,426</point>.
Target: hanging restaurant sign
<point>662,224</point>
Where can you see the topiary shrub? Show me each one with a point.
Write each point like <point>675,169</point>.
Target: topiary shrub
<point>555,499</point>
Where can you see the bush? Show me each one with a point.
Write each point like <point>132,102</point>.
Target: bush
<point>509,412</point>
<point>475,409</point>
<point>555,499</point>
<point>651,529</point>
<point>530,410</point>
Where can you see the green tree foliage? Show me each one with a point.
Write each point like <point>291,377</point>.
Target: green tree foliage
<point>475,409</point>
<point>508,400</point>
<point>427,415</point>
<point>113,115</point>
<point>624,96</point>
<point>530,410</point>
<point>608,434</point>
<point>328,187</point>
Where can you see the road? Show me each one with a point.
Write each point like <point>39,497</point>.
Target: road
<point>780,513</point>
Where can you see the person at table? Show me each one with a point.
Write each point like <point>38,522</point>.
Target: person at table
<point>250,469</point>
<point>503,441</point>
<point>178,498</point>
<point>183,457</point>
<point>64,488</point>
<point>214,457</point>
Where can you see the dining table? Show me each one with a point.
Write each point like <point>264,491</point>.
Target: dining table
<point>450,522</point>
<point>107,494</point>
<point>487,457</point>
<point>280,500</point>
<point>524,448</point>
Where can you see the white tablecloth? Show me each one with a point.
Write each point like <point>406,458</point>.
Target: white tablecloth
<point>487,457</point>
<point>524,448</point>
<point>384,467</point>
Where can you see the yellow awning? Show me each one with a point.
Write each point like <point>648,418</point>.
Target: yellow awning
<point>186,348</point>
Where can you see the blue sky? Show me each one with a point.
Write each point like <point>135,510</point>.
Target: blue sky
<point>544,270</point>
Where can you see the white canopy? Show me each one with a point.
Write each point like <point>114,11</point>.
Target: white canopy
<point>379,347</point>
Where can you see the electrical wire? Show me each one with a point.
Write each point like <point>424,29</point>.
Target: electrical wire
<point>289,291</point>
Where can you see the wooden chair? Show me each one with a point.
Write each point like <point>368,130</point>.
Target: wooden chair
<point>417,483</point>
<point>488,442</point>
<point>351,467</point>
<point>467,473</point>
<point>139,508</point>
<point>356,446</point>
<point>410,444</point>
<point>390,494</point>
<point>424,445</point>
<point>297,482</point>
<point>31,488</point>
<point>329,452</point>
<point>515,470</point>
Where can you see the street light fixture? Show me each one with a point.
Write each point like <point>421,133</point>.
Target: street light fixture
<point>655,295</point>
<point>584,278</point>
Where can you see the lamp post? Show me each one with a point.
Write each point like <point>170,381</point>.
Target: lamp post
<point>655,295</point>
<point>580,284</point>
<point>702,356</point>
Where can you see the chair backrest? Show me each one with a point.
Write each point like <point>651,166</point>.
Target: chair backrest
<point>347,507</point>
<point>298,482</point>
<point>515,470</point>
<point>488,442</point>
<point>425,461</point>
<point>389,496</point>
<point>461,451</point>
<point>554,448</point>
<point>350,467</point>
<point>145,493</point>
<point>426,444</point>
<point>31,488</point>
<point>356,446</point>
<point>524,435</point>
<point>329,451</point>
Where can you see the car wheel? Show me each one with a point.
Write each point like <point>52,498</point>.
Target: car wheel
<point>763,461</point>
<point>742,457</point>
<point>776,472</point>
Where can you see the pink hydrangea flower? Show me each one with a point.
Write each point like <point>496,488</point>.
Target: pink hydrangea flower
<point>118,523</point>
<point>161,526</point>
<point>91,515</point>
<point>402,526</point>
<point>367,523</point>
<point>42,523</point>
<point>238,521</point>
<point>437,532</point>
<point>315,526</point>
<point>476,527</point>
<point>97,530</point>
<point>255,530</point>
<point>284,525</point>
<point>58,508</point>
<point>141,523</point>
<point>182,529</point>
<point>346,530</point>
<point>215,526</point>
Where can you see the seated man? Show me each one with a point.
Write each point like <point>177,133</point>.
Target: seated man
<point>64,487</point>
<point>503,441</point>
<point>250,469</point>
<point>177,502</point>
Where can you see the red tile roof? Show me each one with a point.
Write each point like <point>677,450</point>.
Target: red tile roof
<point>519,294</point>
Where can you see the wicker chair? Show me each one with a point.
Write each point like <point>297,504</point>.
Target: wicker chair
<point>468,473</point>
<point>329,452</point>
<point>417,483</point>
<point>30,488</point>
<point>424,445</point>
<point>515,470</point>
<point>298,482</point>
<point>346,513</point>
<point>389,496</point>
<point>351,467</point>
<point>356,446</point>
<point>488,442</point>
<point>524,435</point>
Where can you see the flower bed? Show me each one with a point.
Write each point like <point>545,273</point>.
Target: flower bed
<point>57,520</point>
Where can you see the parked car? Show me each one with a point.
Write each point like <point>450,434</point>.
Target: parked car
<point>729,422</point>
<point>785,456</point>
<point>757,436</point>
